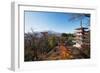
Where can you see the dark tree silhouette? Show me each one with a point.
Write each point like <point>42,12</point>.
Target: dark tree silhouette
<point>80,17</point>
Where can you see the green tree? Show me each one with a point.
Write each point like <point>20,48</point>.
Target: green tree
<point>68,37</point>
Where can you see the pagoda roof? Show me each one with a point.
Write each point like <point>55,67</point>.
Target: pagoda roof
<point>81,28</point>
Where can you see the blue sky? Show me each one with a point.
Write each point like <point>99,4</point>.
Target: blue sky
<point>51,21</point>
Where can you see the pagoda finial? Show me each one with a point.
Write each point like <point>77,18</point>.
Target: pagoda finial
<point>81,23</point>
